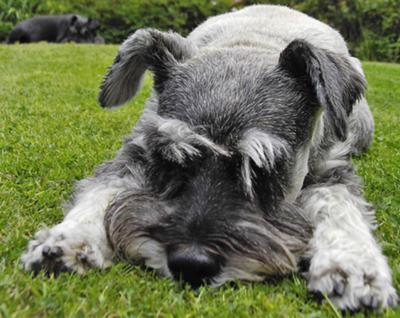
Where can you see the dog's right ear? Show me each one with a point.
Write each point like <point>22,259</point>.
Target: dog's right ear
<point>145,49</point>
<point>335,82</point>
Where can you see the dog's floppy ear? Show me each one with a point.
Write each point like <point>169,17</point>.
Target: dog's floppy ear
<point>145,49</point>
<point>334,81</point>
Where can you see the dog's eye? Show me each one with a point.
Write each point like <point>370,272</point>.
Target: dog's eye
<point>167,178</point>
<point>268,185</point>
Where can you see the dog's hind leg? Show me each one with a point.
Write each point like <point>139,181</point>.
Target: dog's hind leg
<point>346,263</point>
<point>79,241</point>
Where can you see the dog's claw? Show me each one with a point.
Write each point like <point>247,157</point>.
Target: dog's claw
<point>318,296</point>
<point>58,268</point>
<point>339,287</point>
<point>36,267</point>
<point>82,257</point>
<point>393,301</point>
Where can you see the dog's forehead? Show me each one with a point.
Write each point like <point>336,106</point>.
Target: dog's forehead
<point>227,95</point>
<point>233,68</point>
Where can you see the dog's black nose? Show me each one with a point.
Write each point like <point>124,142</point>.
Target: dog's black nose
<point>193,267</point>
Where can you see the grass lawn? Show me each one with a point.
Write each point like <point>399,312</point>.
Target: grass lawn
<point>52,132</point>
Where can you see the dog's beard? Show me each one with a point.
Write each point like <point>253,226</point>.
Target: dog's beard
<point>252,246</point>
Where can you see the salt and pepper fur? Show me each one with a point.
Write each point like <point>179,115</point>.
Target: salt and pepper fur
<point>242,154</point>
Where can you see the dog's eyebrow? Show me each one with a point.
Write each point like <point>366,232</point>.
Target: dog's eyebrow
<point>178,140</point>
<point>262,148</point>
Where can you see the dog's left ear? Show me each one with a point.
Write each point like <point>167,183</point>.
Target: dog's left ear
<point>145,49</point>
<point>336,84</point>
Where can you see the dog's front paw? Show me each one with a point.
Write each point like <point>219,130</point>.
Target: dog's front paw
<point>67,247</point>
<point>353,282</point>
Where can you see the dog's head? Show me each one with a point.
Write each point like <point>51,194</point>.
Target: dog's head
<point>224,153</point>
<point>82,29</point>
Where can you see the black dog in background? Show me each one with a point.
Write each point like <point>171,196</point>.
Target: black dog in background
<point>56,28</point>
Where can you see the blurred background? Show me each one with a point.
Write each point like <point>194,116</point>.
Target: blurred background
<point>371,27</point>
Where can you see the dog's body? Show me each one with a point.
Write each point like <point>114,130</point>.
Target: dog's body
<point>56,28</point>
<point>239,167</point>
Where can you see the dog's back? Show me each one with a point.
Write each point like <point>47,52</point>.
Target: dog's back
<point>267,27</point>
<point>39,28</point>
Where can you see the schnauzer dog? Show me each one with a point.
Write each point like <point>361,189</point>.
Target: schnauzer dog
<point>239,167</point>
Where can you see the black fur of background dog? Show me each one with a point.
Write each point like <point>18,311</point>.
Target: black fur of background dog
<point>56,28</point>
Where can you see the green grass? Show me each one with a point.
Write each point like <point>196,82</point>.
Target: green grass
<point>52,132</point>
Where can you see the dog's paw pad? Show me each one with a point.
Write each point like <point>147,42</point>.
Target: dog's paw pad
<point>49,263</point>
<point>44,258</point>
<point>339,287</point>
<point>52,252</point>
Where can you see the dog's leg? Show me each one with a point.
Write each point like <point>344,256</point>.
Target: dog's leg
<point>346,264</point>
<point>79,241</point>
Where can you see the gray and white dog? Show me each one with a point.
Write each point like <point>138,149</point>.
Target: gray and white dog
<point>239,167</point>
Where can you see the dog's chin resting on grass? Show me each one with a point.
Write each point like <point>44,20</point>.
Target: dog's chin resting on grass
<point>239,167</point>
